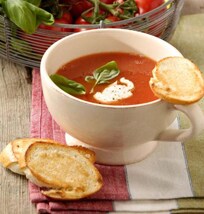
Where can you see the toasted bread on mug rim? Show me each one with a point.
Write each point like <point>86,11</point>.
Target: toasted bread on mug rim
<point>177,80</point>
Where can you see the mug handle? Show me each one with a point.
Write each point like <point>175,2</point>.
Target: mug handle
<point>196,117</point>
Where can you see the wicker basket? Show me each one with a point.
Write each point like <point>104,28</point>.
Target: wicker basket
<point>27,50</point>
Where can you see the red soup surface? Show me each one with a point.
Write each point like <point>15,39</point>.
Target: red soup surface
<point>134,67</point>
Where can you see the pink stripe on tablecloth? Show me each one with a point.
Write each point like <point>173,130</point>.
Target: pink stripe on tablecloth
<point>36,112</point>
<point>42,125</point>
<point>43,208</point>
<point>83,205</point>
<point>77,212</point>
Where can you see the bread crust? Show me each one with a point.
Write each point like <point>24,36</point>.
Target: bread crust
<point>177,80</point>
<point>63,194</point>
<point>87,153</point>
<point>7,157</point>
<point>9,161</point>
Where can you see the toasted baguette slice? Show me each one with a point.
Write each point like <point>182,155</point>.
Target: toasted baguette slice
<point>62,168</point>
<point>177,80</point>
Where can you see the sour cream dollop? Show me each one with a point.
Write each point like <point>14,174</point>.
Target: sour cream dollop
<point>116,91</point>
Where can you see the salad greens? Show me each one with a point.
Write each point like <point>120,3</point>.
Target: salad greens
<point>26,14</point>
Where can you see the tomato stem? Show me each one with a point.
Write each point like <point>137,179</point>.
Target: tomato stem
<point>95,11</point>
<point>128,8</point>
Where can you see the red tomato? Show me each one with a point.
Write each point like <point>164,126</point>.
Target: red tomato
<point>68,17</point>
<point>79,6</point>
<point>112,18</point>
<point>148,5</point>
<point>81,21</point>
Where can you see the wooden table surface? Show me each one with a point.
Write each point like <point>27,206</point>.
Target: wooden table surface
<point>15,102</point>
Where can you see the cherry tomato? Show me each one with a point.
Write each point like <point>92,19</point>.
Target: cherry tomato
<point>148,5</point>
<point>68,17</point>
<point>81,21</point>
<point>112,18</point>
<point>79,6</point>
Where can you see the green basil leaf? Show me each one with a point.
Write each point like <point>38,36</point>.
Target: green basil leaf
<point>67,85</point>
<point>104,73</point>
<point>42,16</point>
<point>25,15</point>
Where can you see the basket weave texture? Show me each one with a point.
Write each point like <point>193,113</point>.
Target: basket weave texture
<point>27,50</point>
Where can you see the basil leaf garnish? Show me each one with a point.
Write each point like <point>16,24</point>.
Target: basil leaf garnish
<point>103,74</point>
<point>67,85</point>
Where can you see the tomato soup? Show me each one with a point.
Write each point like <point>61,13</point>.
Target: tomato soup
<point>133,67</point>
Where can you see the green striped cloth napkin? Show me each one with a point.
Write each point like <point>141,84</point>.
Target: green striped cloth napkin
<point>189,40</point>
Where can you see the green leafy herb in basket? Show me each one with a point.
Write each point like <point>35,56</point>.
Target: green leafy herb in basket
<point>26,14</point>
